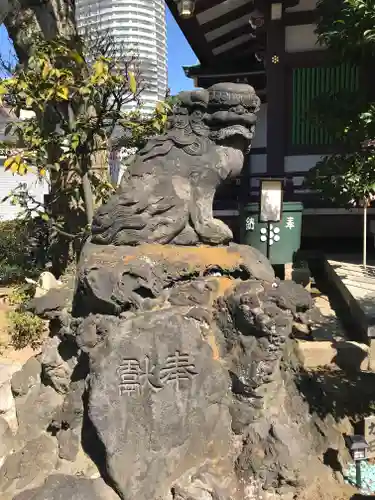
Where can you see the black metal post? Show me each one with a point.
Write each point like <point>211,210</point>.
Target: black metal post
<point>358,477</point>
<point>268,240</point>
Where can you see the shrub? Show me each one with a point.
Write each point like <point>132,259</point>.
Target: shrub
<point>10,273</point>
<point>21,294</point>
<point>23,249</point>
<point>25,329</point>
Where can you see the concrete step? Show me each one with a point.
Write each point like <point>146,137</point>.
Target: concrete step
<point>347,355</point>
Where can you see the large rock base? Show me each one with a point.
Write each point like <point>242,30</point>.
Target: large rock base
<point>173,378</point>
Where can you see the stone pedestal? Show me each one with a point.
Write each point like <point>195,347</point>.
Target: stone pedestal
<point>174,381</point>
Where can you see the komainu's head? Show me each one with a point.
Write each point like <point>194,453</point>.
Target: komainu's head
<point>222,111</point>
<point>224,114</point>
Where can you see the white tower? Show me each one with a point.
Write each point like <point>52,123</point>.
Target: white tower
<point>139,25</point>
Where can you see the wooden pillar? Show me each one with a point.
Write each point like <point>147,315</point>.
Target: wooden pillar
<point>276,93</point>
<point>276,96</point>
<point>245,181</point>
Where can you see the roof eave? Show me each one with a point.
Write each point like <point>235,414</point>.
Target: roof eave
<point>192,32</point>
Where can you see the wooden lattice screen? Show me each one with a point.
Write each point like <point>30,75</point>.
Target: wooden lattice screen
<point>308,84</point>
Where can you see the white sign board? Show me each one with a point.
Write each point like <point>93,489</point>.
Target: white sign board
<point>369,435</point>
<point>271,201</point>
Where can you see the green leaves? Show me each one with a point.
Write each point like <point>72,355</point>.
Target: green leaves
<point>348,177</point>
<point>348,27</point>
<point>46,70</point>
<point>77,57</point>
<point>132,82</point>
<point>16,164</point>
<point>99,67</point>
<point>344,179</point>
<point>75,142</point>
<point>78,99</point>
<point>100,72</point>
<point>63,93</point>
<point>29,102</point>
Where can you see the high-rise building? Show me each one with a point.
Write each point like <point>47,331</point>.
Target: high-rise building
<point>139,25</point>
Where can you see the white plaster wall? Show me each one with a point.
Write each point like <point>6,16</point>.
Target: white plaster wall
<point>303,5</point>
<point>254,183</point>
<point>297,181</point>
<point>26,114</point>
<point>301,163</point>
<point>258,164</point>
<point>260,137</point>
<point>301,38</point>
<point>8,182</point>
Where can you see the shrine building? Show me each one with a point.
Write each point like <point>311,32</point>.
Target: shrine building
<point>273,47</point>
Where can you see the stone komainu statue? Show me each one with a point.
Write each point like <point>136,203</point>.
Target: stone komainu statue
<point>166,195</point>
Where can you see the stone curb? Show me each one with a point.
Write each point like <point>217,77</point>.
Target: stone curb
<point>361,331</point>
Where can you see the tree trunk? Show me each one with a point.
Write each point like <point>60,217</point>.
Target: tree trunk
<point>100,163</point>
<point>26,22</point>
<point>48,19</point>
<point>6,6</point>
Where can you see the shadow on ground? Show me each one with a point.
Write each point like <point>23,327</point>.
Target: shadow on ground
<point>344,390</point>
<point>337,392</point>
<point>356,316</point>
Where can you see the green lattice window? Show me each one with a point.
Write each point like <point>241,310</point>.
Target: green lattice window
<point>308,84</point>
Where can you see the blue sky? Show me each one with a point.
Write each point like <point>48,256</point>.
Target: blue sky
<point>179,54</point>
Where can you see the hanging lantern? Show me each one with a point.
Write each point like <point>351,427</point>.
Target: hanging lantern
<point>186,8</point>
<point>256,19</point>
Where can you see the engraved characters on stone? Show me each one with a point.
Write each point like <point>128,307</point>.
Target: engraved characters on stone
<point>135,375</point>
